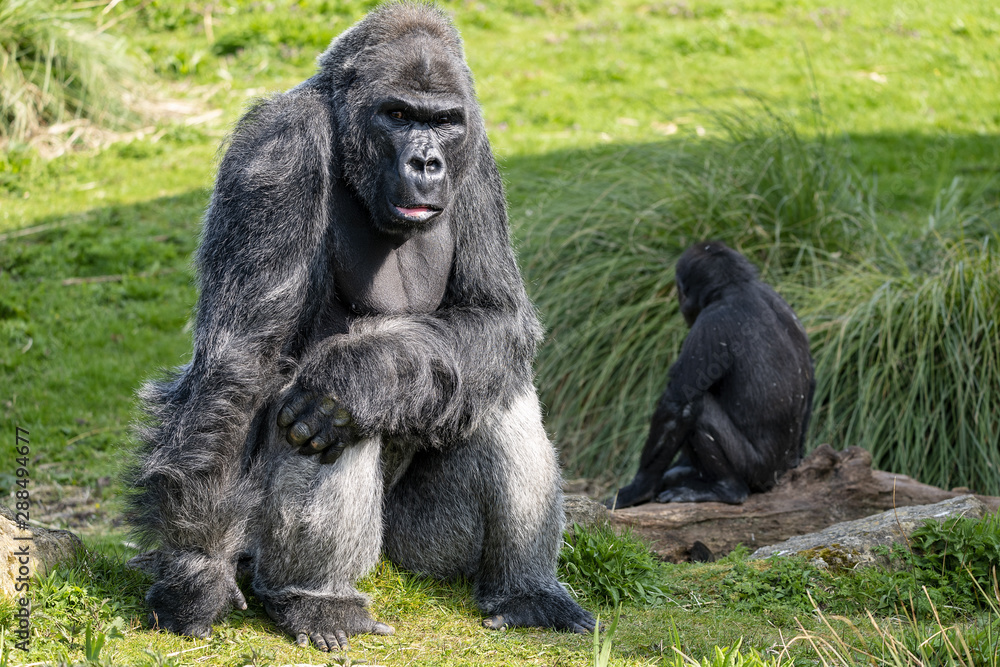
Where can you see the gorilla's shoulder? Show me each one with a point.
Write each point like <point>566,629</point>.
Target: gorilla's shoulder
<point>300,111</point>
<point>293,127</point>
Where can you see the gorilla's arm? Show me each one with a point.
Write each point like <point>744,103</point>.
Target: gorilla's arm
<point>261,237</point>
<point>437,374</point>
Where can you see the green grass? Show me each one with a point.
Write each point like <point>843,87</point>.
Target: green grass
<point>942,589</point>
<point>59,66</point>
<point>908,366</point>
<point>852,151</point>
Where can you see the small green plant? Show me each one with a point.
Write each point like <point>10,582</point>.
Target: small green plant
<point>948,570</point>
<point>782,586</point>
<point>93,643</point>
<point>609,568</point>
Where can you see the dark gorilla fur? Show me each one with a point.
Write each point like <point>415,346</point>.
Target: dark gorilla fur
<point>738,400</point>
<point>361,379</point>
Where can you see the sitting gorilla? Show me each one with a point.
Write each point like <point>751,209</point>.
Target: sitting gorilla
<point>737,403</point>
<point>361,380</point>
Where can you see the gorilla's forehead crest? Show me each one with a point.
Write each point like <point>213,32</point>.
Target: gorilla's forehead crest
<point>402,45</point>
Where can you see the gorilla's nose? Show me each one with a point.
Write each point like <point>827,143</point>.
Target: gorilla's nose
<point>424,169</point>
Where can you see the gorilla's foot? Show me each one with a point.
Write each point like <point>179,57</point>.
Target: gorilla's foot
<point>640,490</point>
<point>193,591</point>
<point>732,492</point>
<point>328,622</point>
<point>548,607</point>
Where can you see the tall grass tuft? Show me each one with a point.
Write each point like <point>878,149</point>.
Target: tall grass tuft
<point>601,264</point>
<point>56,66</point>
<point>903,326</point>
<point>908,366</point>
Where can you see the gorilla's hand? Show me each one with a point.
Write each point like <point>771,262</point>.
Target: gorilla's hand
<point>317,424</point>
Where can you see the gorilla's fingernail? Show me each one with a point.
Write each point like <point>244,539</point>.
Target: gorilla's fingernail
<point>300,433</point>
<point>341,418</point>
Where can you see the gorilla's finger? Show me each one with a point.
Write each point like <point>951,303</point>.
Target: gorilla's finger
<point>327,406</point>
<point>236,597</point>
<point>342,639</point>
<point>665,496</point>
<point>332,453</point>
<point>300,433</point>
<point>302,639</point>
<point>316,445</point>
<point>341,417</point>
<point>328,434</point>
<point>293,408</point>
<point>320,641</point>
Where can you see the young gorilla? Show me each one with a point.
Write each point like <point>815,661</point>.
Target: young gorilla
<point>361,377</point>
<point>738,399</point>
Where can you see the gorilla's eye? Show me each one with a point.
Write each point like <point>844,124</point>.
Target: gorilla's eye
<point>396,114</point>
<point>443,120</point>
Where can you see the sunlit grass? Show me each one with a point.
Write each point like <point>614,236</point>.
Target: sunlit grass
<point>58,66</point>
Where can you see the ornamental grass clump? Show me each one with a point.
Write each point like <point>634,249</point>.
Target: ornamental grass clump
<point>908,366</point>
<point>57,66</point>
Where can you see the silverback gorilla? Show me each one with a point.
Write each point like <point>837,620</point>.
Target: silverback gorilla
<point>738,400</point>
<point>361,380</point>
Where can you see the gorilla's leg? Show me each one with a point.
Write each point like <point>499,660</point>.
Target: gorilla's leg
<point>680,470</point>
<point>721,458</point>
<point>491,509</point>
<point>321,529</point>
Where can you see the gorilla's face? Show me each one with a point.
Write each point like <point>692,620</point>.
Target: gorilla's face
<point>412,112</point>
<point>688,306</point>
<point>419,139</point>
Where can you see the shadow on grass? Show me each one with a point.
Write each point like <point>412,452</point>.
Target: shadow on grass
<point>71,355</point>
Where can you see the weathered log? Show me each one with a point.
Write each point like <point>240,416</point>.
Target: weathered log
<point>828,487</point>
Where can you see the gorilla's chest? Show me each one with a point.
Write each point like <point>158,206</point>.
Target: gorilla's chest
<point>375,274</point>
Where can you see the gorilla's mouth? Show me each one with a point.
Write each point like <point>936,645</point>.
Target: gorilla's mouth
<point>417,213</point>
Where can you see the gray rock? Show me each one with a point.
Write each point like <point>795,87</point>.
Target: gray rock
<point>584,511</point>
<point>850,544</point>
<point>46,549</point>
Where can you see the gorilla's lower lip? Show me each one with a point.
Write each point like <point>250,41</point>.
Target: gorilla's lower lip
<point>417,213</point>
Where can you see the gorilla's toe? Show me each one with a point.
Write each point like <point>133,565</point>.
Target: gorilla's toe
<point>549,607</point>
<point>326,622</point>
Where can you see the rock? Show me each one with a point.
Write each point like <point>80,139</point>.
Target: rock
<point>584,511</point>
<point>46,548</point>
<point>828,487</point>
<point>852,542</point>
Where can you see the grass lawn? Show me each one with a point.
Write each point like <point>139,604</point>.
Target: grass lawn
<point>851,150</point>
